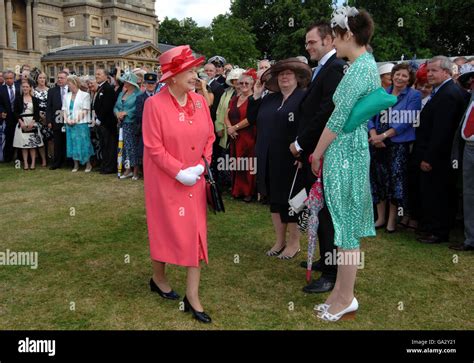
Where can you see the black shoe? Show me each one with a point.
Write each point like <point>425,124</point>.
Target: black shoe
<point>166,295</point>
<point>54,167</point>
<point>432,239</point>
<point>317,266</point>
<point>107,172</point>
<point>421,233</point>
<point>461,247</point>
<point>318,286</point>
<point>198,315</point>
<point>390,231</point>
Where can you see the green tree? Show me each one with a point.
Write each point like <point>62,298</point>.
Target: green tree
<point>451,32</point>
<point>232,39</point>
<point>179,32</point>
<point>280,25</point>
<point>420,28</point>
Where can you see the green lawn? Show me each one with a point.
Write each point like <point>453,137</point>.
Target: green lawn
<point>82,261</point>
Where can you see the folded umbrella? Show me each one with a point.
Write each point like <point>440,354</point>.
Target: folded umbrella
<point>315,202</point>
<point>120,152</point>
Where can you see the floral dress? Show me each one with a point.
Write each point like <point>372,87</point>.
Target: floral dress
<point>42,96</point>
<point>347,159</point>
<point>30,139</point>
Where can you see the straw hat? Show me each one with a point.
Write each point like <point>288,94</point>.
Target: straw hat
<point>234,74</point>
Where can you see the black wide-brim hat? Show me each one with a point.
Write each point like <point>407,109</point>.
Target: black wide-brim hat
<point>301,69</point>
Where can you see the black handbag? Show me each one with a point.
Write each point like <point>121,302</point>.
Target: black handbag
<point>34,130</point>
<point>213,194</point>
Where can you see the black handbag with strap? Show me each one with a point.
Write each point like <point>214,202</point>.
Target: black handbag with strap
<point>213,194</point>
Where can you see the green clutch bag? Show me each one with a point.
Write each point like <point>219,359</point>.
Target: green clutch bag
<point>368,107</point>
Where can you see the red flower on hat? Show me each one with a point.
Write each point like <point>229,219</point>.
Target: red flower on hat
<point>175,65</point>
<point>251,72</point>
<point>422,73</point>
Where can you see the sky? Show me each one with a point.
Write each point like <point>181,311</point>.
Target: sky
<point>202,11</point>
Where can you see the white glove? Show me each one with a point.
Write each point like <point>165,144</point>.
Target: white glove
<point>197,170</point>
<point>187,178</point>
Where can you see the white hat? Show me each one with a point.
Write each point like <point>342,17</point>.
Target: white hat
<point>234,74</point>
<point>386,68</point>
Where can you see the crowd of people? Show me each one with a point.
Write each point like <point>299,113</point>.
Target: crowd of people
<point>273,130</point>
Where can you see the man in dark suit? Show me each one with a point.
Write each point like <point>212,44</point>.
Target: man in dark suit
<point>216,87</point>
<point>55,119</point>
<point>217,90</point>
<point>439,120</point>
<point>103,106</point>
<point>150,80</point>
<point>9,92</point>
<point>316,108</point>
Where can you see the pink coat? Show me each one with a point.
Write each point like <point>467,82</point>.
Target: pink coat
<point>176,214</point>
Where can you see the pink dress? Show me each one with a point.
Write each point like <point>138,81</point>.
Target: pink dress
<point>176,138</point>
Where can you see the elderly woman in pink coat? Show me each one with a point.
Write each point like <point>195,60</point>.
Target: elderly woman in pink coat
<point>177,133</point>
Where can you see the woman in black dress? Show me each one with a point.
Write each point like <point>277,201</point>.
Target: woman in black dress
<point>276,116</point>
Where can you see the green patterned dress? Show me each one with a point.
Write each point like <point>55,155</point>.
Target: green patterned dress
<point>347,159</point>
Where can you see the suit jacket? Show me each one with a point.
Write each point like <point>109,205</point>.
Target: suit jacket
<point>5,105</point>
<point>103,106</point>
<point>317,105</point>
<point>19,108</point>
<point>218,91</point>
<point>140,102</point>
<point>54,107</point>
<point>439,120</point>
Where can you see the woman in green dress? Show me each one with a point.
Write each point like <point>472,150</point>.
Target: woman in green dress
<point>347,159</point>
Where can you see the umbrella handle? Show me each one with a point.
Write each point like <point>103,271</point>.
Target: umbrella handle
<point>308,276</point>
<point>310,159</point>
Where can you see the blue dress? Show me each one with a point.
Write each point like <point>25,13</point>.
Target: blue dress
<point>78,140</point>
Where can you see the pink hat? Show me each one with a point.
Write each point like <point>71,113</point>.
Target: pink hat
<point>177,60</point>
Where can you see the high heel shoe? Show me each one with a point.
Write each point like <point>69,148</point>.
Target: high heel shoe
<point>321,308</point>
<point>346,314</point>
<point>198,315</point>
<point>286,257</point>
<point>166,295</point>
<point>273,253</point>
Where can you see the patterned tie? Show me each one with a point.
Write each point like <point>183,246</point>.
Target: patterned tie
<point>12,96</point>
<point>469,129</point>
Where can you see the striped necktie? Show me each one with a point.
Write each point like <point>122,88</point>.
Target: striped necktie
<point>12,96</point>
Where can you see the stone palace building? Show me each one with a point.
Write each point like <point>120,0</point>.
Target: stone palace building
<point>79,34</point>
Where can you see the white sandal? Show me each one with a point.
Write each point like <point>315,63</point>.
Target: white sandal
<point>321,308</point>
<point>345,314</point>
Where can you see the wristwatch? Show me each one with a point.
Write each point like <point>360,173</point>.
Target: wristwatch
<point>236,126</point>
<point>385,134</point>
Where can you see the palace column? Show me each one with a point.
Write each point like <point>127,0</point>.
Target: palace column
<point>3,29</point>
<point>87,26</point>
<point>114,26</point>
<point>29,27</point>
<point>36,43</point>
<point>8,13</point>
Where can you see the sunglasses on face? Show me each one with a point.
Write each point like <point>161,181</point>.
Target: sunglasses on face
<point>244,83</point>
